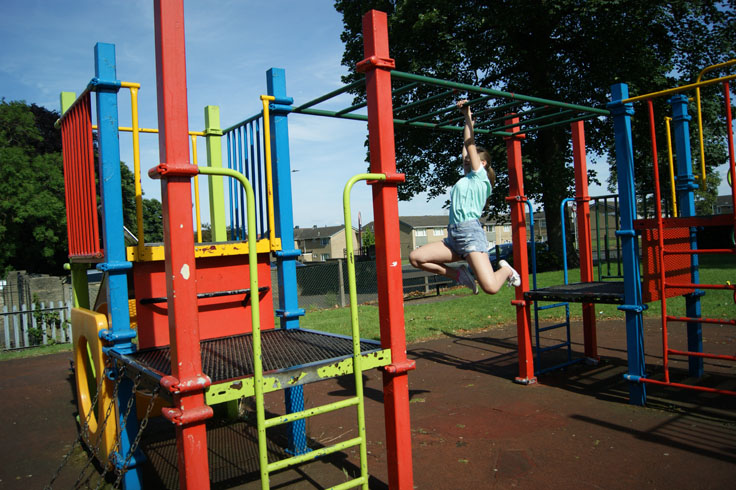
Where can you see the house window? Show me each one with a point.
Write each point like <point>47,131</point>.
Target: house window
<point>420,232</point>
<point>507,228</point>
<point>438,232</point>
<point>324,242</point>
<point>325,256</point>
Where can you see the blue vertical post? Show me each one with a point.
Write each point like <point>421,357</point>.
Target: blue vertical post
<point>685,187</point>
<point>633,305</point>
<point>115,265</point>
<point>288,311</point>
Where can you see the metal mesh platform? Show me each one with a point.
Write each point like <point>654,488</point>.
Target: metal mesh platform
<point>581,292</point>
<point>232,357</point>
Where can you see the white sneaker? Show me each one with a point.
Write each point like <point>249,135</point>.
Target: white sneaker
<point>514,279</point>
<point>466,279</point>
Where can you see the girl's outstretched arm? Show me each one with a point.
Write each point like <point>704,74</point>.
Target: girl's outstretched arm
<point>469,149</point>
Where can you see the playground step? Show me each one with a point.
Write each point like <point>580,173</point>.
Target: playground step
<point>581,292</point>
<point>290,358</point>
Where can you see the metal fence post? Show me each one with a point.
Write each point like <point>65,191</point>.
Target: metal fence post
<point>340,283</point>
<point>6,322</point>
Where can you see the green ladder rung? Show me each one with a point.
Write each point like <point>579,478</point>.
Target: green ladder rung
<point>351,484</point>
<point>317,453</point>
<point>294,416</point>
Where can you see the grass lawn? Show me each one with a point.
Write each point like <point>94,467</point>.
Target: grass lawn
<point>466,312</point>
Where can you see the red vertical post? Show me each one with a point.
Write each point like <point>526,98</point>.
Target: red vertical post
<point>517,201</point>
<point>189,412</point>
<point>585,245</point>
<point>377,67</point>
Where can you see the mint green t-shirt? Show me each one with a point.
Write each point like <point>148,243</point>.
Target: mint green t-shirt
<point>469,195</point>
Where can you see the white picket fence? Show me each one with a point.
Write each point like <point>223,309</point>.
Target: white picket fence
<point>36,326</point>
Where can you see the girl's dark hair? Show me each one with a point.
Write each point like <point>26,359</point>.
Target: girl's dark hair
<point>484,155</point>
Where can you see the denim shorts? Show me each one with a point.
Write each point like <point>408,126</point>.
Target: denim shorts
<point>468,236</point>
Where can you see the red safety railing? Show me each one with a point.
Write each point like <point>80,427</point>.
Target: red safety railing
<point>79,181</point>
<point>669,241</point>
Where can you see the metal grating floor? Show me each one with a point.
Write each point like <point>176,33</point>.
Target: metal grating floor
<point>232,357</point>
<point>581,292</point>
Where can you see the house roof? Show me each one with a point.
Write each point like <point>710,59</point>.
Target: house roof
<point>724,200</point>
<point>424,221</point>
<point>316,232</point>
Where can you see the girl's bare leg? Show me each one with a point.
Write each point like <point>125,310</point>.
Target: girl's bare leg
<point>490,281</point>
<point>433,258</point>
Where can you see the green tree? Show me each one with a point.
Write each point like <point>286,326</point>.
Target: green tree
<point>32,215</point>
<point>32,210</point>
<point>569,50</point>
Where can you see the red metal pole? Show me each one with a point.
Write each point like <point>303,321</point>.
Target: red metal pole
<point>521,262</point>
<point>585,245</point>
<point>377,67</point>
<point>175,172</point>
<point>660,241</point>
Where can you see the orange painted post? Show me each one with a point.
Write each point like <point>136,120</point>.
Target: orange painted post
<point>584,236</point>
<point>517,200</point>
<point>187,380</point>
<point>377,68</point>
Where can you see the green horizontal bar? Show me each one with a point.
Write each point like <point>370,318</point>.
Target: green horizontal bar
<point>330,95</point>
<point>398,91</point>
<point>559,123</point>
<point>497,93</point>
<point>331,407</point>
<point>242,123</point>
<point>524,122</point>
<point>302,458</point>
<point>400,122</point>
<point>351,484</point>
<point>424,101</point>
<point>454,108</point>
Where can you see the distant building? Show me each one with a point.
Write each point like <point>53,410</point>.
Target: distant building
<point>318,244</point>
<point>415,231</point>
<point>723,205</point>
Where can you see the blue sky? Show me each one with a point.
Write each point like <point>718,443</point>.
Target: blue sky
<point>48,48</point>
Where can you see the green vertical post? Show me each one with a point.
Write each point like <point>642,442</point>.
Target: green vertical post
<point>80,286</point>
<point>213,133</point>
<point>67,99</point>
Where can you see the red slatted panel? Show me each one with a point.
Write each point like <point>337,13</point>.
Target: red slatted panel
<point>79,181</point>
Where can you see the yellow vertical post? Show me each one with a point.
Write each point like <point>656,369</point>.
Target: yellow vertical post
<point>196,190</point>
<point>269,177</point>
<point>672,168</point>
<point>137,168</point>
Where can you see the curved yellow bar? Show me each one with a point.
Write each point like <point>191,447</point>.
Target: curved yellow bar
<point>700,116</point>
<point>677,90</point>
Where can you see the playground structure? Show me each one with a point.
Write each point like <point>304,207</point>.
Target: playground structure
<point>215,340</point>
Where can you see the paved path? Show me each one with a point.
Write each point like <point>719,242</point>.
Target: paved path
<point>472,427</point>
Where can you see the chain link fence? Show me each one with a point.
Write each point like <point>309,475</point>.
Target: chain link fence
<point>324,285</point>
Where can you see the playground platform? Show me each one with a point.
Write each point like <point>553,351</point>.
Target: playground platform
<point>472,427</point>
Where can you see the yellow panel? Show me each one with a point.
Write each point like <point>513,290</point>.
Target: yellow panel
<point>90,361</point>
<point>153,253</point>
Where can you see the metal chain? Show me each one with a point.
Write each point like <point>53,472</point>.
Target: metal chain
<point>118,439</point>
<point>96,448</point>
<point>137,440</point>
<point>80,437</point>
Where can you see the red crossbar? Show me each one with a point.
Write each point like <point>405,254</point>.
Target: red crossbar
<point>690,387</point>
<point>705,355</point>
<point>715,321</point>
